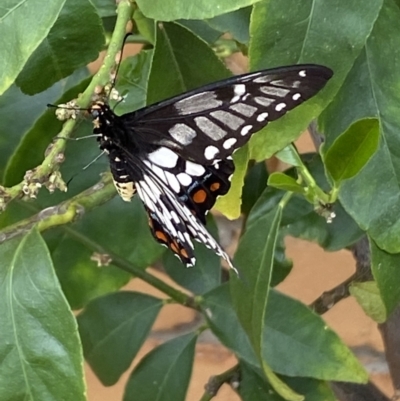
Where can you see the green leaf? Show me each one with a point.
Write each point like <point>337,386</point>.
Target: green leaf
<point>236,23</point>
<point>229,204</point>
<point>201,29</point>
<point>299,218</point>
<point>133,76</point>
<point>82,279</point>
<point>205,275</point>
<point>253,387</point>
<point>113,328</point>
<point>352,150</point>
<point>289,155</point>
<point>64,50</point>
<point>254,260</point>
<point>368,296</point>
<point>21,32</point>
<point>164,373</point>
<point>385,268</point>
<point>13,129</point>
<point>371,91</point>
<point>223,321</point>
<point>255,183</point>
<point>169,10</point>
<point>297,342</point>
<point>40,349</point>
<point>30,150</point>
<point>282,181</point>
<point>176,68</point>
<point>290,32</point>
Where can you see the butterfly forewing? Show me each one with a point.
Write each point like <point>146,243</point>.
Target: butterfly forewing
<point>176,153</point>
<point>212,122</point>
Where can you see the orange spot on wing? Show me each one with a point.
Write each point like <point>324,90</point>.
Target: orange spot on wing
<point>174,247</point>
<point>200,196</point>
<point>184,253</point>
<point>215,186</point>
<point>161,236</point>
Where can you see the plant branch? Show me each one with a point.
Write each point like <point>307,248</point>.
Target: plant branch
<point>330,298</point>
<point>231,376</point>
<point>47,173</point>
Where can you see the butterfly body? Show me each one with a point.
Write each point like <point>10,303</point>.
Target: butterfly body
<point>176,154</point>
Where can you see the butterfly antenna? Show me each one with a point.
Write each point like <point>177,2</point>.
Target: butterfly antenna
<point>94,160</point>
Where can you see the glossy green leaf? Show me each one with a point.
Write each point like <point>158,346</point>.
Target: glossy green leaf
<point>169,10</point>
<point>236,23</point>
<point>371,90</point>
<point>254,260</point>
<point>176,68</point>
<point>13,130</point>
<point>368,296</point>
<point>164,373</point>
<point>21,32</point>
<point>133,75</point>
<point>282,181</point>
<point>289,155</point>
<point>299,218</point>
<point>202,29</point>
<point>255,183</point>
<point>113,328</point>
<point>253,387</point>
<point>40,349</point>
<point>352,150</point>
<point>64,50</point>
<point>224,323</point>
<point>105,8</point>
<point>290,32</point>
<point>230,203</point>
<point>129,236</point>
<point>30,150</point>
<point>297,342</point>
<point>205,275</point>
<point>385,268</point>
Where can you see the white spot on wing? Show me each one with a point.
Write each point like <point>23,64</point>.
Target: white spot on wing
<point>296,96</point>
<point>194,169</point>
<point>280,106</point>
<point>229,143</point>
<point>182,133</point>
<point>239,90</point>
<point>184,179</point>
<point>263,79</point>
<point>233,122</point>
<point>246,129</point>
<point>172,181</point>
<point>272,91</point>
<point>197,103</point>
<point>210,152</point>
<point>262,117</point>
<point>210,129</point>
<point>263,101</point>
<point>244,109</point>
<point>303,73</point>
<point>164,157</point>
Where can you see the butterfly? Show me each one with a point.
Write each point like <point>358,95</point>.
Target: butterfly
<point>177,154</point>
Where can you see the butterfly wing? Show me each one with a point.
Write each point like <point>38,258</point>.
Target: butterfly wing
<point>176,153</point>
<point>177,198</point>
<point>210,123</point>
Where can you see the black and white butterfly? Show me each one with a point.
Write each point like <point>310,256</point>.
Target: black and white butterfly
<point>176,154</point>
